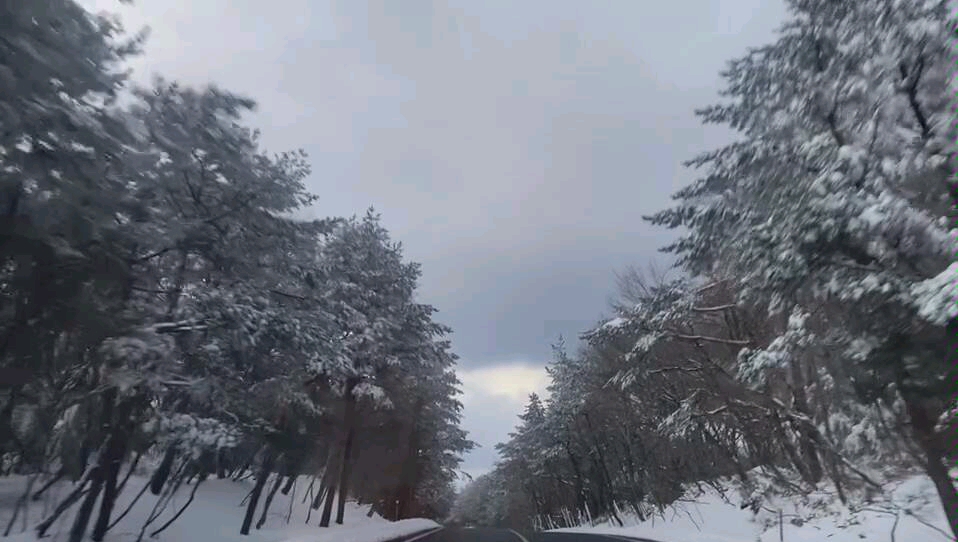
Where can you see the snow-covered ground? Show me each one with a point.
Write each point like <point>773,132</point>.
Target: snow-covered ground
<point>214,516</point>
<point>912,510</point>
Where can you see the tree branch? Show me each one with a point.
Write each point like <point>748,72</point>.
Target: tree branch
<point>709,339</point>
<point>715,308</point>
<point>912,92</point>
<point>710,285</point>
<point>679,369</point>
<point>153,255</point>
<point>289,295</point>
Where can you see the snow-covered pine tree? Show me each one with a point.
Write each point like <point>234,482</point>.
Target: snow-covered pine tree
<point>369,291</point>
<point>837,193</point>
<point>62,154</point>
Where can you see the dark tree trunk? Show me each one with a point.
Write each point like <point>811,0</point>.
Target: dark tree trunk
<point>176,516</point>
<point>39,493</point>
<point>923,425</point>
<point>605,474</point>
<point>269,501</point>
<point>349,425</point>
<point>328,505</point>
<point>320,494</point>
<point>329,486</point>
<point>99,473</point>
<point>264,472</point>
<point>793,456</point>
<point>129,506</point>
<point>636,490</point>
<point>111,462</point>
<point>82,518</point>
<point>408,470</point>
<point>325,479</point>
<point>162,472</point>
<point>220,464</point>
<point>293,466</point>
<point>244,466</point>
<point>577,471</point>
<point>66,503</point>
<point>6,416</point>
<point>807,442</point>
<point>290,480</point>
<point>344,476</point>
<point>130,471</point>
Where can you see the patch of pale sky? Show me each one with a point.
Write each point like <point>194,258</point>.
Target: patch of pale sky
<point>496,394</point>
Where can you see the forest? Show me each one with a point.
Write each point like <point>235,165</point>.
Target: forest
<point>165,307</point>
<point>161,305</point>
<point>806,336</point>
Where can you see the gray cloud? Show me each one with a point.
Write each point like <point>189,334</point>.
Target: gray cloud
<point>511,146</point>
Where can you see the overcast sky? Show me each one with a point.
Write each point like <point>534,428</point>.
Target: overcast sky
<point>511,145</point>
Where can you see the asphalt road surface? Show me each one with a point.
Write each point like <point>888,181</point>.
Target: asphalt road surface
<point>455,534</point>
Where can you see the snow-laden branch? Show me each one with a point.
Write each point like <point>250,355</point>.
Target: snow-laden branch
<point>706,338</point>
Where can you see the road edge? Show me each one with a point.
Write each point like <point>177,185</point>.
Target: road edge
<point>413,537</point>
<point>626,538</point>
<point>605,535</point>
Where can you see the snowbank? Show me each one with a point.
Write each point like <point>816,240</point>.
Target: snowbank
<point>214,516</point>
<point>710,518</point>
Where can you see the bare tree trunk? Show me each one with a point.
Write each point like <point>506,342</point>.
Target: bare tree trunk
<point>6,414</point>
<point>269,500</point>
<point>129,506</point>
<point>160,505</point>
<point>21,503</point>
<point>330,473</point>
<point>163,471</point>
<point>129,473</point>
<point>290,481</point>
<point>923,426</point>
<point>82,518</point>
<point>347,459</point>
<point>99,473</point>
<point>111,461</point>
<point>607,485</point>
<point>221,460</point>
<point>328,505</point>
<point>577,471</point>
<point>325,480</point>
<point>308,494</point>
<point>328,488</point>
<point>264,473</point>
<point>320,494</point>
<point>50,483</point>
<point>344,478</point>
<point>407,473</point>
<point>66,503</point>
<point>807,443</point>
<point>289,512</point>
<point>199,481</point>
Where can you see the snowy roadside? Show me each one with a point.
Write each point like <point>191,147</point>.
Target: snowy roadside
<point>913,512</point>
<point>214,516</point>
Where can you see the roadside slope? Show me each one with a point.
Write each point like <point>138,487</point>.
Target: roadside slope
<point>214,516</point>
<point>912,510</point>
